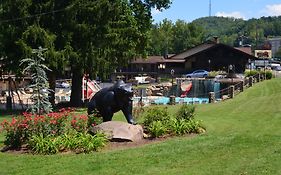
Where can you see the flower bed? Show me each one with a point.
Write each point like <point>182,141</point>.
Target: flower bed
<point>54,132</point>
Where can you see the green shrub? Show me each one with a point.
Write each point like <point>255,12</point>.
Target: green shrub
<point>268,74</point>
<point>179,126</point>
<point>215,73</point>
<point>157,129</point>
<point>89,143</point>
<point>186,112</point>
<point>195,126</point>
<point>249,73</point>
<point>158,121</point>
<point>72,141</point>
<point>183,126</point>
<point>156,114</point>
<point>69,140</point>
<point>41,144</point>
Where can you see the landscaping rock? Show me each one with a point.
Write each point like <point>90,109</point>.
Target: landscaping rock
<point>120,131</point>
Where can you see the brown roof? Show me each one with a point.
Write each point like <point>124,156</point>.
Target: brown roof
<point>174,61</point>
<point>148,60</point>
<point>157,59</point>
<point>247,50</point>
<point>206,46</point>
<point>180,58</point>
<point>193,51</point>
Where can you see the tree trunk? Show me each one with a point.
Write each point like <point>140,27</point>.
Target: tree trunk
<point>16,90</point>
<point>52,84</point>
<point>76,88</point>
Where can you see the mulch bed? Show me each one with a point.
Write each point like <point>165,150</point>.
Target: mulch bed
<point>125,145</point>
<point>146,141</point>
<point>109,147</point>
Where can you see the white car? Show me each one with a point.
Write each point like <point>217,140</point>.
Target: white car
<point>62,85</point>
<point>65,85</point>
<point>142,80</point>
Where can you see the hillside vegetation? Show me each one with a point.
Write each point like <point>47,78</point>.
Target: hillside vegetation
<point>168,37</point>
<point>231,30</point>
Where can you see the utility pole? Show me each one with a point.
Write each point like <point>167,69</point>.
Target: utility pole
<point>210,8</point>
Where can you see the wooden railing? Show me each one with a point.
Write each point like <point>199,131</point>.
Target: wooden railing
<point>235,89</point>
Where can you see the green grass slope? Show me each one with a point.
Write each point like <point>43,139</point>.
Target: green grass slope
<point>243,137</point>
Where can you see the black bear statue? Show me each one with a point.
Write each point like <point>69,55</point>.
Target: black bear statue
<point>112,99</point>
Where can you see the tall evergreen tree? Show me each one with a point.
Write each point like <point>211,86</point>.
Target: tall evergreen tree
<point>91,36</point>
<point>40,84</point>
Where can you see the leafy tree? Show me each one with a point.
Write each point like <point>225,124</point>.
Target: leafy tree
<point>93,36</point>
<point>186,36</point>
<point>161,38</point>
<point>117,34</point>
<point>168,37</point>
<point>22,31</point>
<point>11,28</point>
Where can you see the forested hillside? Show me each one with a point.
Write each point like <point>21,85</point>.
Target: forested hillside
<point>229,29</point>
<point>170,37</point>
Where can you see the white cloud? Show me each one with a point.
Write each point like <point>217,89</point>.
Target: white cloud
<point>231,14</point>
<point>154,11</point>
<point>273,10</point>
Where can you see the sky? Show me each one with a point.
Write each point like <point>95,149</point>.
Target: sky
<point>189,10</point>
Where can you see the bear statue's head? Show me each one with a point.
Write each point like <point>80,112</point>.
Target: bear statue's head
<point>124,92</point>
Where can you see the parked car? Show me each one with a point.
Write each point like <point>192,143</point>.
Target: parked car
<point>197,74</point>
<point>278,68</point>
<point>142,80</point>
<point>62,85</point>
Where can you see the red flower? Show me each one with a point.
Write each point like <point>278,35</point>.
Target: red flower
<point>83,117</point>
<point>54,122</point>
<point>25,126</point>
<point>73,122</point>
<point>14,121</point>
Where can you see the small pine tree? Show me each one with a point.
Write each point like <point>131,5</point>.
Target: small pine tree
<point>39,85</point>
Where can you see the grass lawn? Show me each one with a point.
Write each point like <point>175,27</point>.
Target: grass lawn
<point>243,137</point>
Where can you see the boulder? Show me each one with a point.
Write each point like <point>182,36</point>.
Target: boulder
<point>120,131</point>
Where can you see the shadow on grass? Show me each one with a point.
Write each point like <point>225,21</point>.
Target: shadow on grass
<point>6,113</point>
<point>57,107</point>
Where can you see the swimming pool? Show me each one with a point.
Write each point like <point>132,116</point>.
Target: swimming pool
<point>187,100</point>
<point>166,100</point>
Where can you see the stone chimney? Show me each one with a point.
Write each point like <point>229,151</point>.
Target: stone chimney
<point>216,39</point>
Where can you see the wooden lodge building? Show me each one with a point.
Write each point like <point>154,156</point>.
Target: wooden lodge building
<point>210,56</point>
